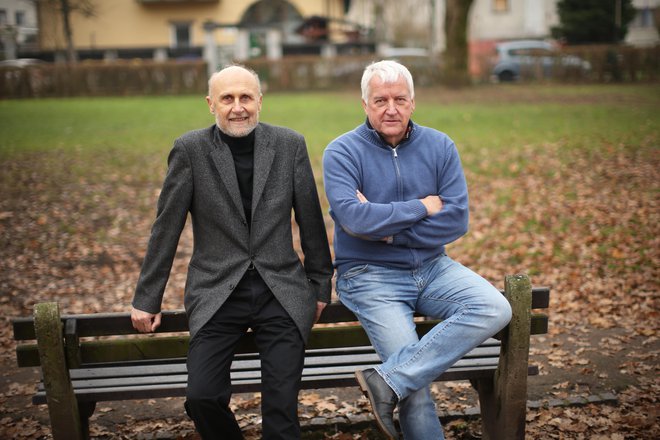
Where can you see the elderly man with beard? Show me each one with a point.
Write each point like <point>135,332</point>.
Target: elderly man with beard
<point>240,180</point>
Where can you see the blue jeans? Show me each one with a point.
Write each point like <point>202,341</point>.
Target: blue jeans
<point>385,300</point>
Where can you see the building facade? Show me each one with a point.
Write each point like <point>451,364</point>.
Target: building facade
<point>643,30</point>
<point>165,29</point>
<point>223,30</point>
<point>18,27</point>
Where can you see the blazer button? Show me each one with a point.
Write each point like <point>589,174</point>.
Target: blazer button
<point>231,287</point>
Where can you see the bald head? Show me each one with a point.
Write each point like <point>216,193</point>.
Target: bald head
<point>235,100</point>
<point>232,72</point>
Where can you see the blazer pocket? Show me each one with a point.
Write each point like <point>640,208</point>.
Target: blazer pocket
<point>200,269</point>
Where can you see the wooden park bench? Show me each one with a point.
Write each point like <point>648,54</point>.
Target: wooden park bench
<point>92,358</point>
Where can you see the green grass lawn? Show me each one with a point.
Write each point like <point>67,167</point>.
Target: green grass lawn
<point>505,118</point>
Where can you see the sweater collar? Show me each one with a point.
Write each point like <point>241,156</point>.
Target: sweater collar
<point>406,136</point>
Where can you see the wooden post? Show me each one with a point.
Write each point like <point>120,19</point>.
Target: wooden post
<point>72,344</point>
<point>504,400</point>
<point>62,404</point>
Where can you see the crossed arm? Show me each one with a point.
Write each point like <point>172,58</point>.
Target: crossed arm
<point>432,203</point>
<point>433,220</point>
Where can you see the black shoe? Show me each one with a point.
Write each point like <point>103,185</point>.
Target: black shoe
<point>383,400</point>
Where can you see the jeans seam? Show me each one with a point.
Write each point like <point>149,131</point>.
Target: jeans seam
<point>388,382</point>
<point>455,319</point>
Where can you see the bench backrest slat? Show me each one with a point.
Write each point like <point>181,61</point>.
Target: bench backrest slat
<point>109,324</point>
<point>171,341</point>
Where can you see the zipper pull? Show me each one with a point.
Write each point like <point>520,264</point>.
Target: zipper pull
<point>394,151</point>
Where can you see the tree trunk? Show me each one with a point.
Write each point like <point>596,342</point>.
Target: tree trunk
<point>456,32</point>
<point>65,8</point>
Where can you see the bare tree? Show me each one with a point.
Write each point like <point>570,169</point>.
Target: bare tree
<point>456,32</point>
<point>65,8</point>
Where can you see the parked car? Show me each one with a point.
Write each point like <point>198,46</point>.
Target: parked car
<point>534,58</point>
<point>21,62</point>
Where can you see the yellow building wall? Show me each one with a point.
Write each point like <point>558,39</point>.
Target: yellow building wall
<point>131,24</point>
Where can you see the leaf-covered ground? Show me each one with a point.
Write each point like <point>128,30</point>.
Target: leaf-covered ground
<point>583,220</point>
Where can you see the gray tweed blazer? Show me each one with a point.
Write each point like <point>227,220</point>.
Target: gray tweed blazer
<point>201,180</point>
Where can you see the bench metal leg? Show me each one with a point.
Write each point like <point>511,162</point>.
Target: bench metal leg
<point>62,403</point>
<point>503,399</point>
<point>85,410</point>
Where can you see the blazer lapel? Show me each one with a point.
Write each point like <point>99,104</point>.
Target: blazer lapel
<point>224,162</point>
<point>263,158</point>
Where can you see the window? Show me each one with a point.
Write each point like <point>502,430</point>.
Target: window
<point>531,51</point>
<point>647,18</point>
<point>3,16</point>
<point>500,5</point>
<point>181,34</point>
<point>20,18</point>
<point>643,18</point>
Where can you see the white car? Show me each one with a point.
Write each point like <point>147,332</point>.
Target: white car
<point>21,62</point>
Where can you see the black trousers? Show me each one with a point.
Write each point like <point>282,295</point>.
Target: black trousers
<point>281,349</point>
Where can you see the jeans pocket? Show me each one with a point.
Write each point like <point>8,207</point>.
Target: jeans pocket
<point>355,271</point>
<point>345,282</point>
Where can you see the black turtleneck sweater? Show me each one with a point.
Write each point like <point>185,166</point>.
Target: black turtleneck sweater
<point>242,149</point>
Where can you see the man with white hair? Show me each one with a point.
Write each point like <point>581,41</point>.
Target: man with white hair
<point>398,195</point>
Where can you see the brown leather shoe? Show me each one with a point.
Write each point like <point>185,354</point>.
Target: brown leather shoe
<point>383,400</point>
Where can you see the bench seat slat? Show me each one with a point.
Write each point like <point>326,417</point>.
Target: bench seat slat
<point>95,377</point>
<point>137,379</point>
<point>174,386</point>
<point>367,355</point>
<point>119,383</point>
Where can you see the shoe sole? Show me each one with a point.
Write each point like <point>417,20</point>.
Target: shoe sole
<point>362,382</point>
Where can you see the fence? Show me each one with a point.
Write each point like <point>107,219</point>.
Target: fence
<point>315,73</point>
<point>103,79</point>
<point>141,77</point>
<point>606,64</point>
<point>98,78</point>
<point>619,63</point>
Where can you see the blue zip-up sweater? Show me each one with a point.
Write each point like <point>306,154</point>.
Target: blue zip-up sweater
<point>393,180</point>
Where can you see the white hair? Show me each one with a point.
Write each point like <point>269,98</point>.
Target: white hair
<point>389,72</point>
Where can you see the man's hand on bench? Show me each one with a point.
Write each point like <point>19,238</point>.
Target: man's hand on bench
<point>145,322</point>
